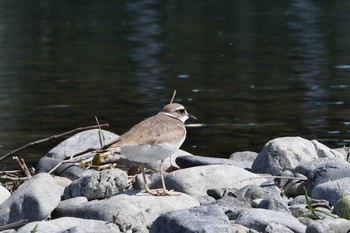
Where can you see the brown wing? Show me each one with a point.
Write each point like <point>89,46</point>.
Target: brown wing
<point>156,129</point>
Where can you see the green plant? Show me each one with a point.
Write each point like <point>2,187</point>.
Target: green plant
<point>35,228</point>
<point>313,210</point>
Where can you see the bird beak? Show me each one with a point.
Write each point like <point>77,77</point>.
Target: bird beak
<point>192,117</point>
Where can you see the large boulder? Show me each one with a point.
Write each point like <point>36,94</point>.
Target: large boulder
<point>70,225</point>
<point>284,154</point>
<point>33,200</point>
<point>260,219</point>
<point>196,181</point>
<point>196,219</point>
<point>132,209</point>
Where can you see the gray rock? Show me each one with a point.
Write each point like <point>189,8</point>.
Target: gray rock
<point>196,160</point>
<point>34,200</point>
<point>236,228</point>
<point>70,225</point>
<point>196,219</point>
<point>68,170</point>
<point>9,231</point>
<point>294,188</point>
<point>307,168</point>
<point>80,142</point>
<point>342,207</point>
<point>325,152</point>
<point>329,225</point>
<point>205,200</point>
<point>260,219</point>
<point>250,193</point>
<point>329,171</point>
<point>99,185</point>
<point>275,227</point>
<point>232,206</point>
<point>284,154</point>
<point>130,209</point>
<point>197,180</point>
<point>332,190</point>
<point>220,192</point>
<point>243,159</point>
<point>276,204</point>
<point>343,150</point>
<point>4,194</point>
<point>318,213</point>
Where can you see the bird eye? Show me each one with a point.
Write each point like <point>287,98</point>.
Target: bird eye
<point>181,111</point>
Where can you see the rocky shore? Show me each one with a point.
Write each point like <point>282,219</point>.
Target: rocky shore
<point>291,185</point>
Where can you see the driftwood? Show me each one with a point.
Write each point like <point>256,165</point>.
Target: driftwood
<point>66,134</point>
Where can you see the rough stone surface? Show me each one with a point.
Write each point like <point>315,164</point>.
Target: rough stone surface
<point>274,227</point>
<point>98,185</point>
<point>34,200</point>
<point>243,159</point>
<point>195,160</point>
<point>307,168</point>
<point>197,180</point>
<point>274,204</point>
<point>341,207</point>
<point>250,193</point>
<point>294,188</point>
<point>259,219</point>
<point>131,209</point>
<point>325,152</point>
<point>328,225</point>
<point>332,190</point>
<point>232,206</point>
<point>284,154</point>
<point>330,171</point>
<point>68,170</point>
<point>80,142</point>
<point>196,219</point>
<point>70,225</point>
<point>4,194</point>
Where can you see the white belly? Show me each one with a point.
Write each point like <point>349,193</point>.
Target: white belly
<point>149,153</point>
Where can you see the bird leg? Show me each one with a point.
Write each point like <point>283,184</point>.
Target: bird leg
<point>165,192</point>
<point>147,189</point>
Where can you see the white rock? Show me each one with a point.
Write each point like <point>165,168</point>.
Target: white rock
<point>260,219</point>
<point>197,180</point>
<point>133,208</point>
<point>325,152</point>
<point>4,194</point>
<point>332,190</point>
<point>80,142</point>
<point>34,200</point>
<point>284,153</point>
<point>328,225</point>
<point>69,224</point>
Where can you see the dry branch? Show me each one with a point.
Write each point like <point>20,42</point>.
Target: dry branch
<point>74,131</point>
<point>14,225</point>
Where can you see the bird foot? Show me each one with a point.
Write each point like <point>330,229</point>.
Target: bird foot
<point>161,192</point>
<point>165,192</point>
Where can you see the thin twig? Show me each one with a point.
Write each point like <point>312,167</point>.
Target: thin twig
<point>172,98</point>
<point>100,134</point>
<point>74,158</point>
<point>14,225</point>
<point>74,131</point>
<point>6,177</point>
<point>23,166</point>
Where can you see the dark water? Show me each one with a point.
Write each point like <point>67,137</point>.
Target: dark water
<point>249,70</point>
